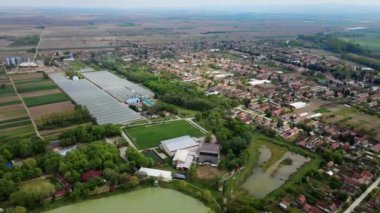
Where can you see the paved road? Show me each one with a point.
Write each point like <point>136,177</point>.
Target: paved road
<point>361,198</point>
<point>26,108</point>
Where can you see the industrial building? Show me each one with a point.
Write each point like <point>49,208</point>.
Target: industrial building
<point>171,146</point>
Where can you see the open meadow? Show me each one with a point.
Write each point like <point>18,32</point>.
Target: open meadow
<point>352,117</point>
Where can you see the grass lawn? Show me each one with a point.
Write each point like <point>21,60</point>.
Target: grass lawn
<point>322,110</point>
<point>40,186</point>
<point>150,136</point>
<point>46,99</point>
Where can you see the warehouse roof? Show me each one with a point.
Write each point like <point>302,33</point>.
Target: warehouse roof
<point>175,144</point>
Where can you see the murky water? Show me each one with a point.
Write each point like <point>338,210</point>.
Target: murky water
<point>157,200</point>
<point>261,183</point>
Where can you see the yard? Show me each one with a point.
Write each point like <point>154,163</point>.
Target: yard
<point>151,135</point>
<point>41,187</point>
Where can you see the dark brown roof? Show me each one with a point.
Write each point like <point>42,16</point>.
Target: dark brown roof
<point>210,148</point>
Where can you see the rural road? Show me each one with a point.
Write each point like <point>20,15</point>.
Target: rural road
<point>39,42</point>
<point>361,198</point>
<point>127,138</point>
<point>191,122</point>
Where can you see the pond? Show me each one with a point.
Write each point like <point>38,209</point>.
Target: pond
<point>262,182</point>
<point>157,200</point>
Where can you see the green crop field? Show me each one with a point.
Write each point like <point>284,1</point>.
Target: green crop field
<point>368,39</point>
<point>10,103</point>
<point>36,88</point>
<point>32,85</point>
<point>150,136</point>
<point>7,91</point>
<point>15,124</point>
<point>46,99</point>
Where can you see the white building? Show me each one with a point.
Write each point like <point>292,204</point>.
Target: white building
<point>298,105</point>
<point>183,159</point>
<point>255,82</point>
<point>156,173</point>
<point>171,146</point>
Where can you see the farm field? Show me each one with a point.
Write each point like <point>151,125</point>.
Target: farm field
<point>41,95</point>
<point>349,116</point>
<point>151,135</point>
<point>366,38</point>
<point>38,111</point>
<point>14,120</point>
<point>45,99</point>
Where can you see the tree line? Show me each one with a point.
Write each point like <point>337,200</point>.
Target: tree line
<point>86,134</point>
<point>64,119</point>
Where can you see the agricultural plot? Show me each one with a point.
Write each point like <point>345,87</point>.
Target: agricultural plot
<point>151,135</point>
<point>45,99</point>
<point>14,121</point>
<point>367,38</point>
<point>41,95</point>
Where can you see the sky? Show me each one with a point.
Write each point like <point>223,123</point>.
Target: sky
<point>206,4</point>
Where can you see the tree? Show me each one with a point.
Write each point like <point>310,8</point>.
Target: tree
<point>208,137</point>
<point>51,162</point>
<point>20,209</point>
<point>140,159</point>
<point>112,176</point>
<point>280,123</point>
<point>7,187</point>
<point>183,185</point>
<point>134,180</point>
<point>207,196</point>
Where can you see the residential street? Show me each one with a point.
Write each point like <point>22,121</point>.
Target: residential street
<point>361,198</point>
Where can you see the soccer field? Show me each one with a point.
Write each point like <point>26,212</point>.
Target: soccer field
<point>150,136</point>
